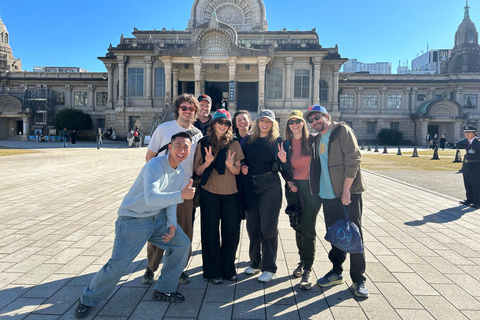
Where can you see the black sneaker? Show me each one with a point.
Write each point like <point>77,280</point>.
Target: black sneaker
<point>147,276</point>
<point>184,278</point>
<point>299,270</point>
<point>306,283</point>
<point>82,311</point>
<point>168,297</point>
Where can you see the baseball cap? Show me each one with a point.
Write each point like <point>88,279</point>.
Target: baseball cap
<point>267,114</point>
<point>295,114</point>
<point>205,97</point>
<point>314,108</point>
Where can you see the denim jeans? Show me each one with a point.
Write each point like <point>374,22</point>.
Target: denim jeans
<point>131,234</point>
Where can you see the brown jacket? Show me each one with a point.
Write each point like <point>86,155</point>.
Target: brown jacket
<point>344,159</point>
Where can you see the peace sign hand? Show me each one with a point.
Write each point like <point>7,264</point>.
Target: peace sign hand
<point>282,155</point>
<point>230,159</point>
<point>208,155</point>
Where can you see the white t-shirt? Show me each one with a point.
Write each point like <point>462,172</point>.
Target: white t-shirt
<point>163,134</point>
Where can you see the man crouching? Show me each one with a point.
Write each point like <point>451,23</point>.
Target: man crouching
<point>148,213</point>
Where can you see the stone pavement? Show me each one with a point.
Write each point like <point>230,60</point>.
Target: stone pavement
<point>57,213</point>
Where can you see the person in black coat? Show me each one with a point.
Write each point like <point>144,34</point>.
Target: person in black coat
<point>471,168</point>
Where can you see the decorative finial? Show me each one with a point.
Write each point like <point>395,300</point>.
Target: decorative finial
<point>467,14</point>
<point>214,14</point>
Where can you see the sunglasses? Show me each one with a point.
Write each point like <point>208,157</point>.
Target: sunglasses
<point>191,109</point>
<point>317,117</point>
<point>225,123</point>
<point>297,121</point>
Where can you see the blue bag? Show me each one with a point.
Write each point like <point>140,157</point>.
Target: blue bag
<point>345,235</point>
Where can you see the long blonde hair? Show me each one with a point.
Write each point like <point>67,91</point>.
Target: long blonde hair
<point>272,135</point>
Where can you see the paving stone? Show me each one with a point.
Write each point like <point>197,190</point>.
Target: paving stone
<point>398,296</point>
<point>457,296</point>
<point>20,308</point>
<point>415,284</point>
<point>249,305</point>
<point>215,311</point>
<point>348,313</point>
<point>408,314</point>
<point>377,307</point>
<point>440,308</point>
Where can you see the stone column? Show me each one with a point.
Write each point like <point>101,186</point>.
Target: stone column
<point>358,103</point>
<point>68,96</point>
<point>288,81</point>
<point>175,82</point>
<point>430,93</point>
<point>91,97</point>
<point>167,64</point>
<point>197,67</point>
<point>148,79</point>
<point>203,76</point>
<point>458,95</point>
<point>382,106</point>
<point>457,132</point>
<point>121,81</point>
<point>316,79</point>
<point>414,99</point>
<point>232,72</point>
<point>262,65</point>
<point>110,67</point>
<point>335,71</point>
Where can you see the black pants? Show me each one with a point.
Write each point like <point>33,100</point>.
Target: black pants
<point>262,221</point>
<point>333,211</point>
<point>219,255</point>
<point>471,180</point>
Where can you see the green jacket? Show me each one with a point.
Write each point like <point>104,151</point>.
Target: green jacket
<point>344,159</point>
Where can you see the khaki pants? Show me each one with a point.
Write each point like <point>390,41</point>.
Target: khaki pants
<point>184,220</point>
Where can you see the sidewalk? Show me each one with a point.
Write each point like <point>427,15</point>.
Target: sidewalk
<point>57,213</point>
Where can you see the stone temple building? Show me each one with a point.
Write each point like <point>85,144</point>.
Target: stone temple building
<point>227,52</point>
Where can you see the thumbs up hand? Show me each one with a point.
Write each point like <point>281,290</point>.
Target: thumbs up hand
<point>188,192</point>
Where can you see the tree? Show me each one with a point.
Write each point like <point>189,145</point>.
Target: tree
<point>72,119</point>
<point>389,136</point>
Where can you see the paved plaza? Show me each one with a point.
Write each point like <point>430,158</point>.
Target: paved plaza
<point>58,208</point>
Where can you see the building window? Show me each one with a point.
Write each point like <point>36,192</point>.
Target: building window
<point>60,101</point>
<point>274,84</point>
<point>247,67</point>
<point>346,101</point>
<point>323,91</point>
<point>102,98</point>
<point>438,97</point>
<point>101,124</point>
<point>395,126</point>
<point>370,101</point>
<point>301,87</point>
<point>394,101</point>
<point>186,66</point>
<point>470,101</point>
<point>371,127</point>
<point>135,82</point>
<point>41,117</point>
<point>159,82</point>
<point>80,98</point>
<point>217,66</point>
<point>421,97</point>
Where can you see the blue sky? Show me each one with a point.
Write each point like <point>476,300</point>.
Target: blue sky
<point>76,32</point>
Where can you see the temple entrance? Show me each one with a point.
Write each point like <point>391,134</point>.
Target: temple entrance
<point>186,87</point>
<point>215,91</point>
<point>247,96</point>
<point>432,129</point>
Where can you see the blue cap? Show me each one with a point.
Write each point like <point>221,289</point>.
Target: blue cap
<point>313,109</point>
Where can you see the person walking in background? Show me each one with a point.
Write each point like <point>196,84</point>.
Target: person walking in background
<point>299,193</point>
<point>136,138</point>
<point>217,161</point>
<point>130,138</point>
<point>148,213</point>
<point>428,140</point>
<point>471,168</point>
<point>443,142</point>
<point>99,137</point>
<point>262,167</point>
<point>185,108</point>
<point>435,141</point>
<point>73,137</point>
<point>114,135</point>
<point>336,162</point>
<point>204,119</point>
<point>64,137</point>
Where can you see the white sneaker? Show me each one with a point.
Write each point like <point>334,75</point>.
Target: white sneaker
<point>266,276</point>
<point>250,270</point>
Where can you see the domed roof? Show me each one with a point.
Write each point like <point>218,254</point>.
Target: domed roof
<point>3,28</point>
<point>466,32</point>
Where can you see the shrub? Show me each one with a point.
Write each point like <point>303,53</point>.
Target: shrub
<point>389,137</point>
<point>72,119</point>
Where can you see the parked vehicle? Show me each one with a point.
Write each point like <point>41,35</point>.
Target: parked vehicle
<point>460,143</point>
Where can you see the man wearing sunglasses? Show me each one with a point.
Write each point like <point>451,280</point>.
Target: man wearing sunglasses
<point>186,109</point>
<point>335,166</point>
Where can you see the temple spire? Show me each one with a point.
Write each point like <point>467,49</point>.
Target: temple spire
<point>467,14</point>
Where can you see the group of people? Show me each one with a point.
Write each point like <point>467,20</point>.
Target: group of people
<point>133,138</point>
<point>237,162</point>
<point>434,142</point>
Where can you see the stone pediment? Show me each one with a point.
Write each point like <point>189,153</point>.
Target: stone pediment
<point>10,105</point>
<point>444,109</point>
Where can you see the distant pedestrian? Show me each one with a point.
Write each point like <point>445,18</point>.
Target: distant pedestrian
<point>428,140</point>
<point>136,138</point>
<point>435,141</point>
<point>99,137</point>
<point>64,137</point>
<point>73,137</point>
<point>471,168</point>
<point>37,136</point>
<point>114,135</point>
<point>443,142</point>
<point>130,138</point>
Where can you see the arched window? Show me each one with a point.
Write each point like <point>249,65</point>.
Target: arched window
<point>215,45</point>
<point>6,38</point>
<point>470,37</point>
<point>323,91</point>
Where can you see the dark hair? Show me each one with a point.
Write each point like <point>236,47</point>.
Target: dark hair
<point>223,142</point>
<point>188,98</point>
<point>234,120</point>
<point>181,135</point>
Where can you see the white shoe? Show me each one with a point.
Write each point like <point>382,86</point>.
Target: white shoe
<point>266,276</point>
<point>250,270</point>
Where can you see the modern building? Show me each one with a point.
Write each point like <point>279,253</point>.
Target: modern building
<point>228,52</point>
<point>58,69</point>
<point>352,65</point>
<point>431,61</point>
